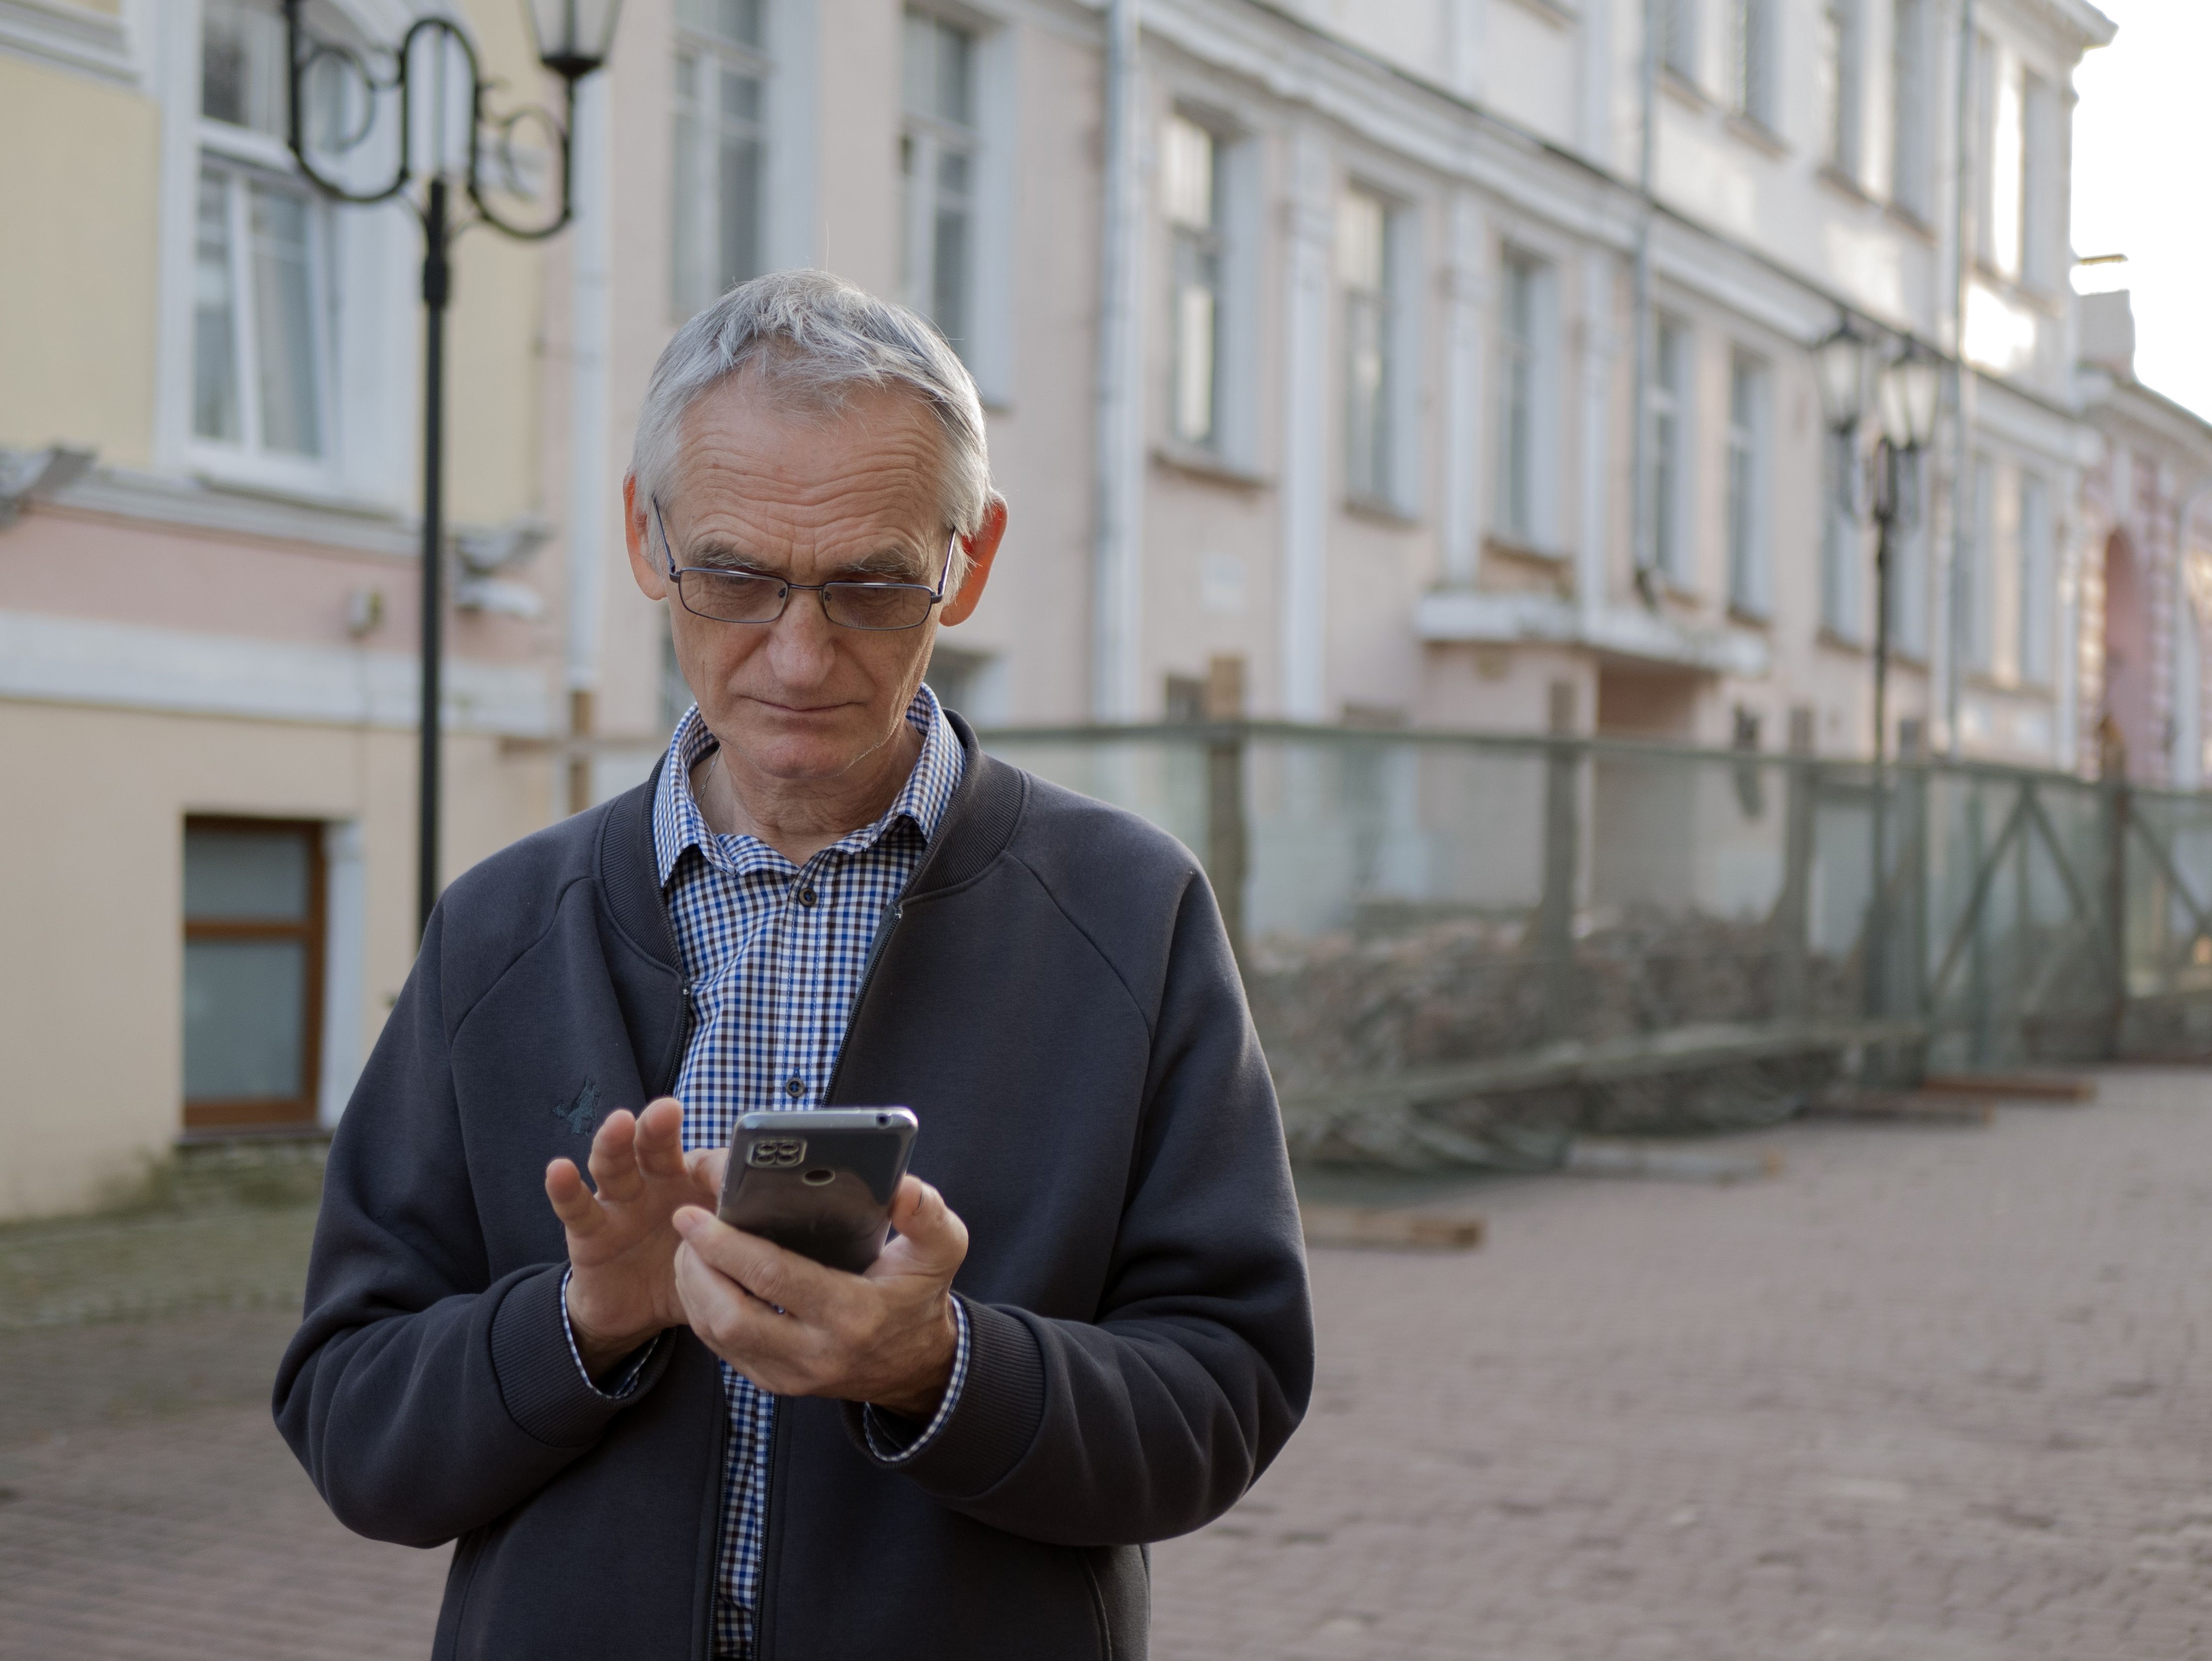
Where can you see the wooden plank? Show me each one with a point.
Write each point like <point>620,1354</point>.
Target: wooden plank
<point>2012,1086</point>
<point>1380,1228</point>
<point>1591,1158</point>
<point>1578,1062</point>
<point>1912,1108</point>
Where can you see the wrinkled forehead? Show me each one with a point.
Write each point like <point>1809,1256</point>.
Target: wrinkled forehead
<point>765,451</point>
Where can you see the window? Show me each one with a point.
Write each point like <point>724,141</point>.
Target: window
<point>1670,457</point>
<point>1753,84</point>
<point>720,173</point>
<point>1365,268</point>
<point>1912,76</point>
<point>1525,353</point>
<point>1842,544</point>
<point>2004,161</point>
<point>1192,188</point>
<point>1678,37</point>
<point>938,167</point>
<point>1975,590</point>
<point>1843,82</point>
<point>1749,418</point>
<point>2043,207</point>
<point>262,294</point>
<point>2038,581</point>
<point>253,972</point>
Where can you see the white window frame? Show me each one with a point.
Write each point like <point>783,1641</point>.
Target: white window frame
<point>2039,581</point>
<point>1534,396</point>
<point>1843,24</point>
<point>992,141</point>
<point>1391,464</point>
<point>370,391</point>
<point>2042,200</point>
<point>1749,486</point>
<point>1755,60</point>
<point>1673,448</point>
<point>1678,38</point>
<point>1912,77</point>
<point>690,291</point>
<point>1198,261</point>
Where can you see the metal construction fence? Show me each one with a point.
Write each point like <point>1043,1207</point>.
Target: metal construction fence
<point>1468,947</point>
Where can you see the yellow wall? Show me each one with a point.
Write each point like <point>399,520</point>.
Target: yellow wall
<point>77,285</point>
<point>91,874</point>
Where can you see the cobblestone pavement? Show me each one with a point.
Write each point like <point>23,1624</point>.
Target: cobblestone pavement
<point>1932,1395</point>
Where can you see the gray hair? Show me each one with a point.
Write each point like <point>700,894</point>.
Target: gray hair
<point>817,339</point>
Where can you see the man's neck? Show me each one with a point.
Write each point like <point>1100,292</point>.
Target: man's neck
<point>801,817</point>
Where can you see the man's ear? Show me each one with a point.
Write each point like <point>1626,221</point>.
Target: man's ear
<point>637,532</point>
<point>983,549</point>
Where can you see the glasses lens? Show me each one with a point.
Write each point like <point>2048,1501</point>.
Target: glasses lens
<point>731,598</point>
<point>877,605</point>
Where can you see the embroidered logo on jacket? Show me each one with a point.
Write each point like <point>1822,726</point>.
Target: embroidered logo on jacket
<point>581,1111</point>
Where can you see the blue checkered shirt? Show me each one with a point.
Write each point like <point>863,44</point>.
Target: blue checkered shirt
<point>772,957</point>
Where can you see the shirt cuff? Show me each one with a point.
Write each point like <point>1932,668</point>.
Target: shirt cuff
<point>625,1381</point>
<point>890,1437</point>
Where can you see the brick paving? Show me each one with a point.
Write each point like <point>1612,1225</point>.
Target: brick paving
<point>1932,1395</point>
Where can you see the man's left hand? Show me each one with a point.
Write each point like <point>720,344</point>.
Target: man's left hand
<point>886,1337</point>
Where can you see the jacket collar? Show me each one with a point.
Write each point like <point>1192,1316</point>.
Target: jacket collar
<point>978,823</point>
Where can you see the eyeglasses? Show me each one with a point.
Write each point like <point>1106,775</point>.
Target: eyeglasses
<point>726,596</point>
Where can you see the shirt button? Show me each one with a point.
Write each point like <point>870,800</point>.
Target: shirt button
<point>806,897</point>
<point>794,1087</point>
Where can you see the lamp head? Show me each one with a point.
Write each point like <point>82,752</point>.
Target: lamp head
<point>1840,359</point>
<point>574,37</point>
<point>1911,393</point>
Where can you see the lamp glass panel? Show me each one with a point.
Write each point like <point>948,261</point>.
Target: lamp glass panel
<point>1841,359</point>
<point>574,33</point>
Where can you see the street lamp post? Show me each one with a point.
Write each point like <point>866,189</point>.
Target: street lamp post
<point>448,144</point>
<point>1907,391</point>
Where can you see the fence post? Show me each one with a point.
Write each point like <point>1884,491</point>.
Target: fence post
<point>1555,914</point>
<point>2116,904</point>
<point>1228,852</point>
<point>1793,909</point>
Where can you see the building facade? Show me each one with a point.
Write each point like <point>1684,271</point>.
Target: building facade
<point>1446,363</point>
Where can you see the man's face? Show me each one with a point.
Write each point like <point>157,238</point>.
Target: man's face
<point>809,497</point>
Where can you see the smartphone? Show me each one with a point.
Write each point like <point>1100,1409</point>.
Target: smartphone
<point>818,1181</point>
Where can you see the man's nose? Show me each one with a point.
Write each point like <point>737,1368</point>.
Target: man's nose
<point>802,643</point>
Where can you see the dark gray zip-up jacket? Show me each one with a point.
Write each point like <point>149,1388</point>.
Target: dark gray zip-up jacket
<point>1056,999</point>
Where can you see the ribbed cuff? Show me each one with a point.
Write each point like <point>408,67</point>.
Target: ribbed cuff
<point>992,1425</point>
<point>540,1379</point>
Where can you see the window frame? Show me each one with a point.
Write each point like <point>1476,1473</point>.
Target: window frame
<point>1755,58</point>
<point>925,138</point>
<point>1195,248</point>
<point>1371,471</point>
<point>1536,479</point>
<point>249,159</point>
<point>1912,68</point>
<point>1672,399</point>
<point>723,55</point>
<point>1749,488</point>
<point>228,1114</point>
<point>1843,24</point>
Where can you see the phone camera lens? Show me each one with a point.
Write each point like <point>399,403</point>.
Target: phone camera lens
<point>817,1176</point>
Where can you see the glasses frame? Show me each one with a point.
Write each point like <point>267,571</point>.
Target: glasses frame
<point>678,573</point>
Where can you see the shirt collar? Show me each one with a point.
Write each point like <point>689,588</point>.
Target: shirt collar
<point>677,823</point>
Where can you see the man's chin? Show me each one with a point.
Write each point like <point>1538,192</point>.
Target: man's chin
<point>798,745</point>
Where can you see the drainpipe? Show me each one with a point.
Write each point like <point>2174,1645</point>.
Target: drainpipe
<point>1642,542</point>
<point>1117,574</point>
<point>590,324</point>
<point>1962,377</point>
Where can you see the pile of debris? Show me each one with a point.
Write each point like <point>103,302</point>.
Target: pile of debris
<point>1455,1041</point>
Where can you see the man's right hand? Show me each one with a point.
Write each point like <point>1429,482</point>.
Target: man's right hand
<point>621,1244</point>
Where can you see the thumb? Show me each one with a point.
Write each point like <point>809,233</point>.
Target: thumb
<point>933,1240</point>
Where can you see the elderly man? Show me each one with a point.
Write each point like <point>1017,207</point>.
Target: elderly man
<point>653,1436</point>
